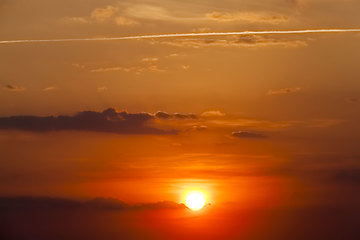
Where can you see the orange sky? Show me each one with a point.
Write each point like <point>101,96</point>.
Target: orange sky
<point>256,121</point>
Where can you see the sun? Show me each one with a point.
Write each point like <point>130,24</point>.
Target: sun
<point>195,200</point>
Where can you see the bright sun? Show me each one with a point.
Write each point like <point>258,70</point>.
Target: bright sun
<point>195,200</point>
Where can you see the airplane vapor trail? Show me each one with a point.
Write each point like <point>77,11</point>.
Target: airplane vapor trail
<point>179,35</point>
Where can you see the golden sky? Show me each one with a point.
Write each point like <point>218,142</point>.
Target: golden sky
<point>256,121</point>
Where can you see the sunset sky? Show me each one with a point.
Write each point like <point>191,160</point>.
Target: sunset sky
<point>266,126</point>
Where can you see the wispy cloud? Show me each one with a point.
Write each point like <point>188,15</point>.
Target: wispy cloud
<point>149,12</point>
<point>251,17</point>
<point>160,13</point>
<point>14,88</point>
<point>213,113</point>
<point>107,14</point>
<point>125,21</point>
<point>185,67</point>
<point>233,41</point>
<point>135,69</point>
<point>51,88</point>
<point>181,35</point>
<point>103,14</point>
<point>284,91</point>
<point>80,20</point>
<point>102,89</point>
<point>150,59</point>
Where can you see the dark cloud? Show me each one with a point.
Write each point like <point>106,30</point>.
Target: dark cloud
<point>165,115</point>
<point>115,204</point>
<point>351,176</point>
<point>26,218</point>
<point>235,41</point>
<point>353,99</point>
<point>283,91</point>
<point>185,116</point>
<point>245,134</point>
<point>109,120</point>
<point>14,88</point>
<point>45,203</point>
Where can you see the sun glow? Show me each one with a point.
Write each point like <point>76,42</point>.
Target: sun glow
<point>195,200</point>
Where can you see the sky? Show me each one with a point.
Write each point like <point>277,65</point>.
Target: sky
<point>113,134</point>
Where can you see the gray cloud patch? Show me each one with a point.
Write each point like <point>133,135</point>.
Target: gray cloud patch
<point>348,176</point>
<point>165,115</point>
<point>107,204</point>
<point>246,134</point>
<point>14,88</point>
<point>109,120</point>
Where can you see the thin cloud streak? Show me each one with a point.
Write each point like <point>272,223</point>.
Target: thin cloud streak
<point>179,35</point>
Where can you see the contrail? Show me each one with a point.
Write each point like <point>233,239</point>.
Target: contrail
<point>179,35</point>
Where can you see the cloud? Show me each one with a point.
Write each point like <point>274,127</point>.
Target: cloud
<point>103,204</point>
<point>353,99</point>
<point>159,13</point>
<point>351,176</point>
<point>174,55</point>
<point>112,69</point>
<point>135,69</point>
<point>150,59</point>
<point>284,91</point>
<point>202,29</point>
<point>143,11</point>
<point>165,115</point>
<point>199,127</point>
<point>184,116</point>
<point>79,20</point>
<point>234,41</point>
<point>110,121</point>
<point>78,65</point>
<point>146,64</point>
<point>125,21</point>
<point>213,113</point>
<point>14,88</point>
<point>102,89</point>
<point>299,3</point>
<point>103,14</point>
<point>251,17</point>
<point>181,35</point>
<point>51,88</point>
<point>245,134</point>
<point>185,67</point>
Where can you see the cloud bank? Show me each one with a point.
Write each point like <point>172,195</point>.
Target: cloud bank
<point>112,204</point>
<point>109,120</point>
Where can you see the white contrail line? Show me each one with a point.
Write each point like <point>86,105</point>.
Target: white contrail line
<point>178,35</point>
